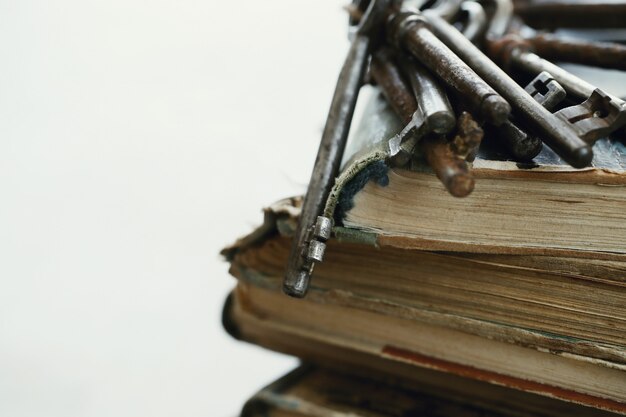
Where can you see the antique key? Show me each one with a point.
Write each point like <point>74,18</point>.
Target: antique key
<point>597,54</point>
<point>600,113</point>
<point>313,230</point>
<point>451,170</point>
<point>555,131</point>
<point>408,30</point>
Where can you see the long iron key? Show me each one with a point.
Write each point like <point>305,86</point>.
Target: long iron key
<point>521,145</point>
<point>597,54</point>
<point>451,170</point>
<point>556,132</point>
<point>313,230</point>
<point>408,30</point>
<point>600,113</point>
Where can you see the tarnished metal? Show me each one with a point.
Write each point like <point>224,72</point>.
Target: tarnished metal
<point>300,264</point>
<point>552,14</point>
<point>475,20</point>
<point>557,133</point>
<point>323,228</point>
<point>595,117</point>
<point>443,54</point>
<point>410,30</point>
<point>597,54</point>
<point>519,57</point>
<point>546,90</point>
<point>386,72</point>
<point>432,99</point>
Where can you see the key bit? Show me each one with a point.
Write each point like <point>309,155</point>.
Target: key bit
<point>546,90</point>
<point>323,228</point>
<point>385,71</point>
<point>402,145</point>
<point>306,250</point>
<point>451,169</point>
<point>596,117</point>
<point>315,252</point>
<point>588,126</point>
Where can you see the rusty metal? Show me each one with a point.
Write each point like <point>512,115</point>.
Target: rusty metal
<point>468,137</point>
<point>451,170</point>
<point>409,30</point>
<point>556,132</point>
<point>302,257</point>
<point>386,72</point>
<point>597,54</point>
<point>590,120</point>
<point>551,14</point>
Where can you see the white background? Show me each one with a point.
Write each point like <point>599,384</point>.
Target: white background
<point>137,138</point>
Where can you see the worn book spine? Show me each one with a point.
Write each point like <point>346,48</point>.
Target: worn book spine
<point>408,369</point>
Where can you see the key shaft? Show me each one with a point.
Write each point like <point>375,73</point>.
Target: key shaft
<point>409,31</point>
<point>559,135</point>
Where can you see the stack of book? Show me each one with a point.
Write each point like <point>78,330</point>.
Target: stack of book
<point>511,301</point>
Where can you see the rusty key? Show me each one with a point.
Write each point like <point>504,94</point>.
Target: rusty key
<point>594,118</point>
<point>451,170</point>
<point>313,229</point>
<point>596,54</point>
<point>409,30</point>
<point>557,133</point>
<point>431,97</point>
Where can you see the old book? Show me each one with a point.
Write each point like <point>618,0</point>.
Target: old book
<point>544,207</point>
<point>523,283</point>
<point>311,391</point>
<point>541,324</point>
<point>568,306</point>
<point>349,338</point>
